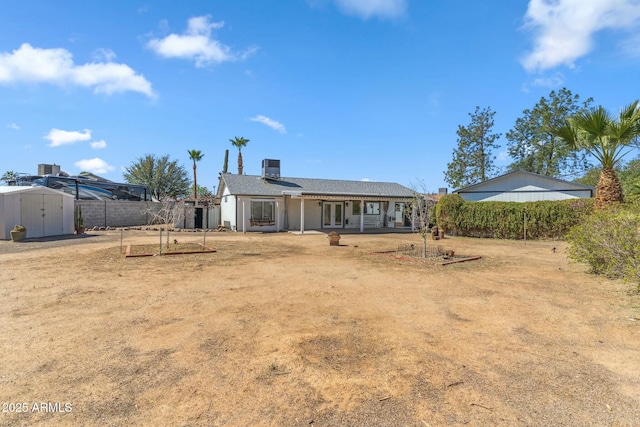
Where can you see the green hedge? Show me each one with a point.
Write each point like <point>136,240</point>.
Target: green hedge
<point>505,220</point>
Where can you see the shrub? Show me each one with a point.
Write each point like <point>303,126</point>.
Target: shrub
<point>19,228</point>
<point>447,212</point>
<point>609,242</point>
<point>505,220</point>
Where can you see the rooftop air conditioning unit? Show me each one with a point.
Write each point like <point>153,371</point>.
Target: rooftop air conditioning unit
<point>271,169</point>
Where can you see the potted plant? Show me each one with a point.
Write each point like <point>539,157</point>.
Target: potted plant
<point>334,238</point>
<point>18,233</point>
<point>78,220</point>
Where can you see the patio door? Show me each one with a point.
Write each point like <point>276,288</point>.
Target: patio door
<point>332,214</point>
<point>402,217</point>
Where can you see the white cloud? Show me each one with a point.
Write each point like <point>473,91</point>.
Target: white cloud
<point>197,44</point>
<point>13,126</point>
<point>368,8</point>
<point>106,55</point>
<point>64,137</point>
<point>365,180</point>
<point>269,122</point>
<point>97,145</point>
<point>564,29</point>
<point>95,165</point>
<point>55,66</point>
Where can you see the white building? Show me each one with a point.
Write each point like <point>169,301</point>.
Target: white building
<point>521,186</point>
<point>43,211</point>
<point>269,202</point>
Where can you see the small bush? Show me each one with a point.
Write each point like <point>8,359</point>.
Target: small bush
<point>609,242</point>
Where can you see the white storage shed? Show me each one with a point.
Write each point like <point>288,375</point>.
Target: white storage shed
<point>521,186</point>
<point>43,211</point>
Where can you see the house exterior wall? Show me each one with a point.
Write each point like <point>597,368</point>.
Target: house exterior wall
<point>293,213</point>
<point>231,213</point>
<point>370,220</point>
<point>228,210</point>
<point>244,214</point>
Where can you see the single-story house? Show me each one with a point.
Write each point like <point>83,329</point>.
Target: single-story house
<point>43,211</point>
<point>521,186</point>
<point>269,202</point>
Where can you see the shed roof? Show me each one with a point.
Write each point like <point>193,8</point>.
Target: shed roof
<point>255,185</point>
<point>7,189</point>
<point>519,174</point>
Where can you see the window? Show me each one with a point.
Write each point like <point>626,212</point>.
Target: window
<point>263,212</point>
<point>372,208</point>
<point>355,207</point>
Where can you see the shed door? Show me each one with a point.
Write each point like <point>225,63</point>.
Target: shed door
<point>41,214</point>
<point>52,215</point>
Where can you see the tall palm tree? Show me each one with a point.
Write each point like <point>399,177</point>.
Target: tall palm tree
<point>196,156</point>
<point>606,138</point>
<point>239,142</point>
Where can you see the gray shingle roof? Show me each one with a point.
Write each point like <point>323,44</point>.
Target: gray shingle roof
<point>507,175</point>
<point>253,185</point>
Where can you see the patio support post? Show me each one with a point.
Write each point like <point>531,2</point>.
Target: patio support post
<point>302,216</point>
<point>244,218</point>
<point>277,217</point>
<point>362,215</point>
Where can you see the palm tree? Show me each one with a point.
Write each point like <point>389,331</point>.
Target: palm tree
<point>239,142</point>
<point>606,138</point>
<point>9,176</point>
<point>196,156</point>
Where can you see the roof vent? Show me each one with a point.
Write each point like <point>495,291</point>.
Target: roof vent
<point>271,169</point>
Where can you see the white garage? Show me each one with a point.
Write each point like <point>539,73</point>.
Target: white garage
<point>43,211</point>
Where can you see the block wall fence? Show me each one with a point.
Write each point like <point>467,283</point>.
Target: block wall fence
<point>115,213</point>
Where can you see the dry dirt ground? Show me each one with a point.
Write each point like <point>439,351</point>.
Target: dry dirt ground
<point>284,330</point>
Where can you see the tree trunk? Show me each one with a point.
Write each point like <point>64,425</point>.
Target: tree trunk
<point>195,183</point>
<point>609,189</point>
<point>239,163</point>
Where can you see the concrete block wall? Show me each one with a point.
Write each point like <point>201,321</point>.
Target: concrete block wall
<point>115,213</point>
<point>121,213</point>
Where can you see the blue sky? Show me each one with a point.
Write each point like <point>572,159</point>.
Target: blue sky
<point>344,89</point>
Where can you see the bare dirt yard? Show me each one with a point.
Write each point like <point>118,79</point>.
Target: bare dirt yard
<point>284,330</point>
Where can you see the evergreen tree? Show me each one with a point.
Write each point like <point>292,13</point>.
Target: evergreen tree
<point>472,159</point>
<point>535,148</point>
